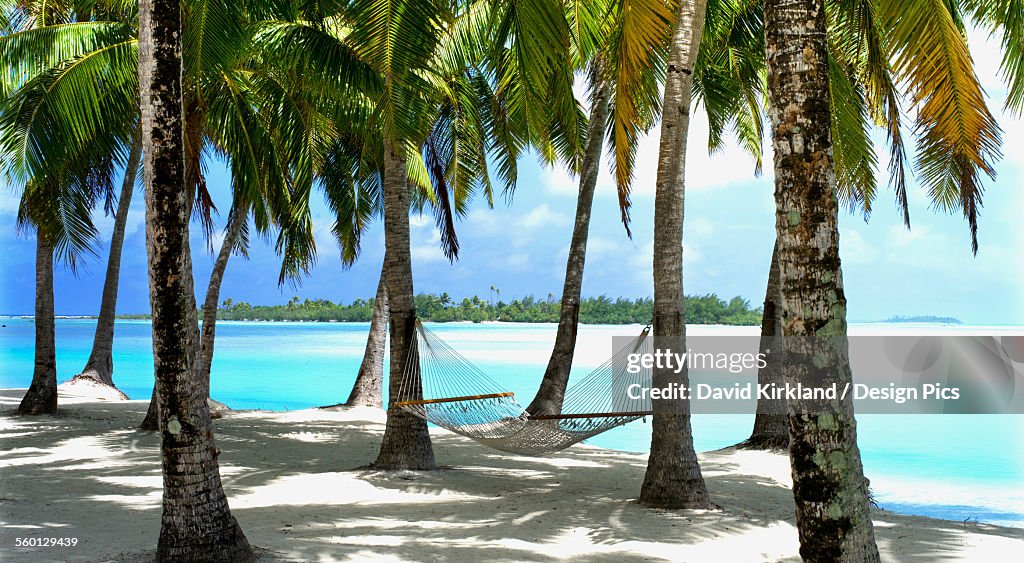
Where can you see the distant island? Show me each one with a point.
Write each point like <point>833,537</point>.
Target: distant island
<point>700,309</point>
<point>924,319</point>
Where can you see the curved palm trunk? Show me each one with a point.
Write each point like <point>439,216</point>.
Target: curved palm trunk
<point>239,215</point>
<point>771,431</point>
<point>406,443</point>
<point>41,397</point>
<point>832,513</point>
<point>367,389</point>
<point>673,478</point>
<point>100,367</point>
<point>556,376</point>
<point>196,524</point>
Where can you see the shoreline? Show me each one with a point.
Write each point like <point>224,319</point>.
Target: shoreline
<point>294,485</point>
<point>861,324</point>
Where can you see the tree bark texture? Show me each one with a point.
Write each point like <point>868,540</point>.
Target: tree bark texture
<point>406,443</point>
<point>831,494</point>
<point>41,397</point>
<point>196,524</point>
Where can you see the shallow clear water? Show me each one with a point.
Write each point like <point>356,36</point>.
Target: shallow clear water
<point>947,466</point>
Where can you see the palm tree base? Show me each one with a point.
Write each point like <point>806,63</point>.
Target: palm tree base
<point>406,445</point>
<point>765,442</point>
<point>39,400</point>
<point>675,494</point>
<point>92,378</point>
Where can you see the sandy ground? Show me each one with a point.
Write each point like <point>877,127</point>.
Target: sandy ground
<point>295,486</point>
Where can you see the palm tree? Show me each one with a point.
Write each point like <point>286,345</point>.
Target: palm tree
<point>368,387</point>
<point>196,523</point>
<point>673,478</point>
<point>61,189</point>
<point>223,90</point>
<point>864,42</point>
<point>624,44</point>
<point>451,85</point>
<point>100,366</point>
<point>41,397</point>
<point>960,139</point>
<point>831,492</point>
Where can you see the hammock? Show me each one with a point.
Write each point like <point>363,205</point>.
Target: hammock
<point>443,387</point>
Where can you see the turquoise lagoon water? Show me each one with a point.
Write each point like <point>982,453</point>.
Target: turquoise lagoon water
<point>956,467</point>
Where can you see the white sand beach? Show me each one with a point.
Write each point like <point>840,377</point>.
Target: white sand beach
<point>296,486</point>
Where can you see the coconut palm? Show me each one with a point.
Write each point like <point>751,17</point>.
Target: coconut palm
<point>673,478</point>
<point>223,90</point>
<point>622,45</point>
<point>452,85</point>
<point>829,486</point>
<point>99,368</point>
<point>65,168</point>
<point>863,71</point>
<point>828,481</point>
<point>196,523</point>
<point>368,387</point>
<point>43,204</point>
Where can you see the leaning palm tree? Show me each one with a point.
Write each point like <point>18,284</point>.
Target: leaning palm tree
<point>99,368</point>
<point>622,46</point>
<point>196,523</point>
<point>368,387</point>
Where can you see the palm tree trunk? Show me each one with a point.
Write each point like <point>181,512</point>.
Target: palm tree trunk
<point>771,431</point>
<point>673,478</point>
<point>832,513</point>
<point>556,376</point>
<point>151,422</point>
<point>370,381</point>
<point>100,367</point>
<point>196,524</point>
<point>406,443</point>
<point>239,215</point>
<point>41,397</point>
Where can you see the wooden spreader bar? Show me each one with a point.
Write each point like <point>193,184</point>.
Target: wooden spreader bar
<point>452,399</point>
<point>589,415</point>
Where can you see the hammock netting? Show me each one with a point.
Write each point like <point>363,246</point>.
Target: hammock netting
<point>444,388</point>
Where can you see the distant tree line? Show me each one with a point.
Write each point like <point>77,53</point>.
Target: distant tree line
<point>700,309</point>
<point>923,319</point>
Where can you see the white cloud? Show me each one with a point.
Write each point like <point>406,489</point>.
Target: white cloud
<point>731,165</point>
<point>420,220</point>
<point>517,261</point>
<point>426,253</point>
<point>856,250</point>
<point>598,246</point>
<point>558,181</point>
<point>542,216</point>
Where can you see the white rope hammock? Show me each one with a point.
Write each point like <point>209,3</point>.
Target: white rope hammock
<point>443,387</point>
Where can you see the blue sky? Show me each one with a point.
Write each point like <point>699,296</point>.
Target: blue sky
<point>521,247</point>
